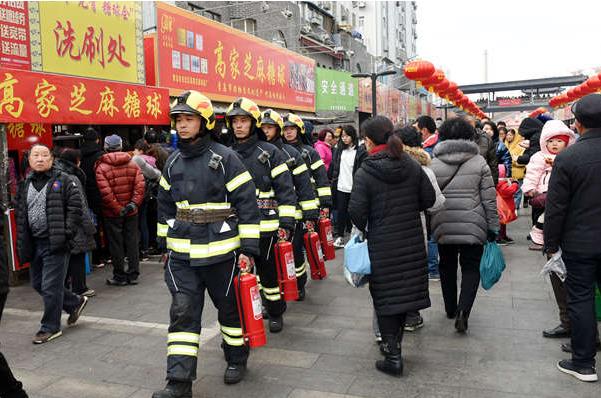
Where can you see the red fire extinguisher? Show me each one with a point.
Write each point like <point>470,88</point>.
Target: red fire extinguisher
<point>314,254</point>
<point>248,297</point>
<point>327,239</point>
<point>284,260</point>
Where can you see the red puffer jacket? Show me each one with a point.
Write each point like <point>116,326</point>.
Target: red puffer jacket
<point>120,181</point>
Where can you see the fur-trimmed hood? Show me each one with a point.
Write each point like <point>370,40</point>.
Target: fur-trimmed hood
<point>456,151</point>
<point>419,154</point>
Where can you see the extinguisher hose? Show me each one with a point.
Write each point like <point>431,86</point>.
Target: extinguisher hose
<point>239,303</point>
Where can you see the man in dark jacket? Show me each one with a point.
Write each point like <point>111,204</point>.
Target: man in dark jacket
<point>573,223</point>
<point>9,386</point>
<point>121,185</point>
<point>48,213</point>
<point>487,149</point>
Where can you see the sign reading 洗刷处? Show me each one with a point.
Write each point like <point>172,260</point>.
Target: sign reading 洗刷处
<point>335,91</point>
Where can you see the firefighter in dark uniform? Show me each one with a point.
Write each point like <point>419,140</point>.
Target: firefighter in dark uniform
<point>275,197</point>
<point>294,134</point>
<point>209,220</point>
<point>306,209</point>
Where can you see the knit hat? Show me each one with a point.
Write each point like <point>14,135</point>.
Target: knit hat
<point>113,143</point>
<point>564,137</point>
<point>529,127</point>
<point>410,136</point>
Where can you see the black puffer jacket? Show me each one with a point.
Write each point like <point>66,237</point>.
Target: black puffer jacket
<point>530,129</point>
<point>387,198</point>
<point>3,263</point>
<point>63,210</point>
<point>90,153</point>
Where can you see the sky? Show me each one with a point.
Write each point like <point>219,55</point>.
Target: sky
<point>525,39</point>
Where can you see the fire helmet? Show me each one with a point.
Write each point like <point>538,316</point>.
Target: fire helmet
<point>243,107</point>
<point>194,103</point>
<point>294,120</point>
<point>270,116</point>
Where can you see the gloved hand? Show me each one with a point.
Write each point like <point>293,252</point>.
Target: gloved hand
<point>129,208</point>
<point>324,213</point>
<point>491,236</point>
<point>283,234</point>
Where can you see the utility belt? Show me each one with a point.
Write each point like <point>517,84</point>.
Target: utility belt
<point>200,216</point>
<point>267,204</point>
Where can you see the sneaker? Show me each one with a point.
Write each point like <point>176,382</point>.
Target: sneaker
<point>44,337</point>
<point>99,265</point>
<point>74,316</point>
<point>89,293</point>
<point>535,247</point>
<point>502,242</point>
<point>412,324</point>
<point>583,374</point>
<point>434,277</point>
<point>339,242</point>
<point>509,240</point>
<point>116,282</point>
<point>144,256</point>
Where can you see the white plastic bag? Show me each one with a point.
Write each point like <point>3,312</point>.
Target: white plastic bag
<point>556,264</point>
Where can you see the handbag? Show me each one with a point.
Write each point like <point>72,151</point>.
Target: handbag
<point>506,210</point>
<point>492,265</point>
<point>357,266</point>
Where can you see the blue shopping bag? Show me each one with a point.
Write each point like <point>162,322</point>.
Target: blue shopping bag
<point>492,265</point>
<point>356,256</point>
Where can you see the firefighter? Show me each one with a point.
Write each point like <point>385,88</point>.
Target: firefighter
<point>275,197</point>
<point>294,134</point>
<point>209,220</point>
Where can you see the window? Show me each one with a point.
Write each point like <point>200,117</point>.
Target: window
<point>361,21</point>
<point>246,25</point>
<point>207,14</point>
<point>279,39</point>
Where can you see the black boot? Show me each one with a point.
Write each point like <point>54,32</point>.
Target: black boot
<point>301,294</point>
<point>175,389</point>
<point>276,324</point>
<point>461,321</point>
<point>393,363</point>
<point>234,373</point>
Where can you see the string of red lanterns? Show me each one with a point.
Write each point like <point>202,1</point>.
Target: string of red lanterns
<point>591,85</point>
<point>434,81</point>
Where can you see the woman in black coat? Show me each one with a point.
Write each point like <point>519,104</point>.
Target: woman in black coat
<point>389,192</point>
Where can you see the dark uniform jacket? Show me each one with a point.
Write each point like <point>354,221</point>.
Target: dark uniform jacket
<point>319,175</point>
<point>209,176</point>
<point>306,208</point>
<point>63,212</point>
<point>275,190</point>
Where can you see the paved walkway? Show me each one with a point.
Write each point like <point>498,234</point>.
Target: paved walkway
<point>117,350</point>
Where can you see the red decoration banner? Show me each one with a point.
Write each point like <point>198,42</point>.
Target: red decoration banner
<point>30,97</point>
<point>223,63</point>
<point>21,136</point>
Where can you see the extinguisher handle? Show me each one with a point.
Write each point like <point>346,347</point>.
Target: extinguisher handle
<point>324,213</point>
<point>310,225</point>
<point>245,263</point>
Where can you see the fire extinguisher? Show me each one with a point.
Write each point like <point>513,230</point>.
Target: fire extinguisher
<point>248,297</point>
<point>314,253</point>
<point>327,239</point>
<point>284,261</point>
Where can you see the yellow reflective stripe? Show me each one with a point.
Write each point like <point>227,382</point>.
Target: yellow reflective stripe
<point>308,204</point>
<point>163,183</point>
<point>301,270</point>
<point>317,202</point>
<point>317,165</point>
<point>324,191</point>
<point>203,250</point>
<point>182,350</point>
<point>249,231</point>
<point>300,169</point>
<point>276,171</point>
<point>265,195</point>
<point>269,225</point>
<point>286,211</point>
<point>204,206</point>
<point>271,290</point>
<point>241,179</point>
<point>273,297</point>
<point>183,337</point>
<point>234,332</point>
<point>162,229</point>
<point>298,215</point>
<point>238,342</point>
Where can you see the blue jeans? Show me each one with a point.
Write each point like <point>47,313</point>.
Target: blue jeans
<point>432,257</point>
<point>47,274</point>
<point>584,271</point>
<point>518,196</point>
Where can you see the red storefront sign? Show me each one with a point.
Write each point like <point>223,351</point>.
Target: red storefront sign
<point>223,63</point>
<point>21,136</point>
<point>509,101</point>
<point>30,97</point>
<point>14,35</point>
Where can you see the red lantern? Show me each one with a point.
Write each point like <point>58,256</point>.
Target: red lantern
<point>571,95</point>
<point>419,70</point>
<point>442,86</point>
<point>578,92</point>
<point>434,80</point>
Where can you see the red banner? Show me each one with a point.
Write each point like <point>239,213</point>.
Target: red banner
<point>14,35</point>
<point>224,63</point>
<point>509,101</point>
<point>30,97</point>
<point>21,136</point>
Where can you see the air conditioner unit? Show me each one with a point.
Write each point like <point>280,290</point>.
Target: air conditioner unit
<point>361,4</point>
<point>315,21</point>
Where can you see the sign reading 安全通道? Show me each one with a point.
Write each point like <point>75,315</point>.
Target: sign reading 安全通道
<point>96,39</point>
<point>335,91</point>
<point>224,63</point>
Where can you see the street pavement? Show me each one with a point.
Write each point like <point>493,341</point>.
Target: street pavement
<point>327,348</point>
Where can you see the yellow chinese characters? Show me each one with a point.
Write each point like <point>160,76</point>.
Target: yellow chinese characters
<point>44,99</point>
<point>131,104</point>
<point>153,105</point>
<point>220,64</point>
<point>77,99</point>
<point>38,129</point>
<point>107,102</point>
<point>248,59</point>
<point>16,130</point>
<point>234,69</point>
<point>8,102</point>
